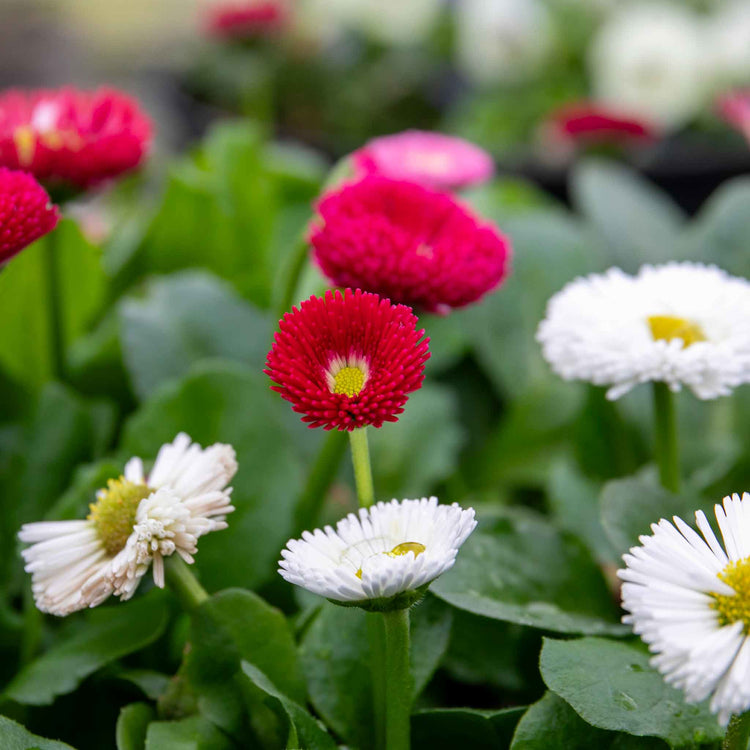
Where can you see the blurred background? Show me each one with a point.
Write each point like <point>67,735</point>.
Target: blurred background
<point>503,73</point>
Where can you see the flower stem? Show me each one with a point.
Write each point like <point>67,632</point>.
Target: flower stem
<point>296,266</point>
<point>319,480</point>
<point>182,581</point>
<point>738,732</point>
<point>665,438</point>
<point>398,682</point>
<point>362,469</point>
<point>54,305</point>
<point>376,635</point>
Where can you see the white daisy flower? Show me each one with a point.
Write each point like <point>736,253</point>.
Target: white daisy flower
<point>650,59</point>
<point>689,599</point>
<point>680,323</point>
<point>383,558</point>
<point>138,519</point>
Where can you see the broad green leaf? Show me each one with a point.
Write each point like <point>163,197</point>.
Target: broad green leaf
<point>639,223</point>
<point>185,318</point>
<point>152,684</point>
<point>25,299</point>
<point>132,725</point>
<point>310,735</point>
<point>194,733</point>
<point>611,685</point>
<point>551,724</point>
<point>519,568</point>
<point>430,634</point>
<point>15,737</point>
<point>111,633</point>
<point>225,402</point>
<point>450,728</point>
<point>405,462</point>
<point>629,506</point>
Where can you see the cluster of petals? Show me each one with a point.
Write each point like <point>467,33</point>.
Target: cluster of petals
<point>597,329</point>
<point>734,107</point>
<point>350,329</point>
<point>26,213</point>
<point>407,242</point>
<point>245,19</point>
<point>189,497</point>
<point>431,159</point>
<point>351,563</point>
<point>72,137</point>
<point>669,589</point>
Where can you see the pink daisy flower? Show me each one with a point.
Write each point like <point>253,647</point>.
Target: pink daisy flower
<point>246,19</point>
<point>73,137</point>
<point>26,213</point>
<point>409,243</point>
<point>348,360</point>
<point>734,107</point>
<point>432,159</point>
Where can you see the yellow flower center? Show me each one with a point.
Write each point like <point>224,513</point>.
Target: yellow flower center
<point>732,608</point>
<point>401,549</point>
<point>668,327</point>
<point>25,141</point>
<point>349,380</point>
<point>114,511</point>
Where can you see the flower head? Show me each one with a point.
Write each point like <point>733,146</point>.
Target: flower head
<point>245,19</point>
<point>409,243</point>
<point>689,599</point>
<point>348,360</point>
<point>734,107</point>
<point>382,558</point>
<point>136,520</point>
<point>680,323</point>
<point>71,137</point>
<point>26,213</point>
<point>431,159</point>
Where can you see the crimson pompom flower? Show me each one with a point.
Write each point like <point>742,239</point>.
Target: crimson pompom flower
<point>72,137</point>
<point>408,243</point>
<point>348,360</point>
<point>734,107</point>
<point>26,213</point>
<point>593,124</point>
<point>432,159</point>
<point>246,19</point>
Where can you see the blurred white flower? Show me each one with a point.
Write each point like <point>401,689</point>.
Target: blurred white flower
<point>729,43</point>
<point>689,599</point>
<point>137,520</point>
<point>395,21</point>
<point>389,550</point>
<point>502,40</point>
<point>651,60</point>
<point>680,323</point>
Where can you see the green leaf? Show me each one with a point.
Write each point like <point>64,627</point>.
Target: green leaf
<point>431,624</point>
<point>611,685</point>
<point>224,402</point>
<point>639,223</point>
<point>629,506</point>
<point>551,724</point>
<point>405,464</point>
<point>132,725</point>
<point>519,568</point>
<point>15,737</point>
<point>111,633</point>
<point>450,728</point>
<point>185,318</point>
<point>194,733</point>
<point>308,732</point>
<point>24,301</point>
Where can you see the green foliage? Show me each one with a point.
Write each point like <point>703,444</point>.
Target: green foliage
<point>15,737</point>
<point>446,728</point>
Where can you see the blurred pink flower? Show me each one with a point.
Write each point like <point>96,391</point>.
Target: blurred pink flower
<point>734,107</point>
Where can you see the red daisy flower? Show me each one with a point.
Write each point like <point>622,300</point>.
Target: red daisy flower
<point>244,20</point>
<point>407,242</point>
<point>348,360</point>
<point>78,138</point>
<point>26,213</point>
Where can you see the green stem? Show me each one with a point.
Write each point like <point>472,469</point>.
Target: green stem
<point>184,583</point>
<point>362,469</point>
<point>296,267</point>
<point>398,682</point>
<point>54,306</point>
<point>321,477</point>
<point>376,634</point>
<point>738,732</point>
<point>665,438</point>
